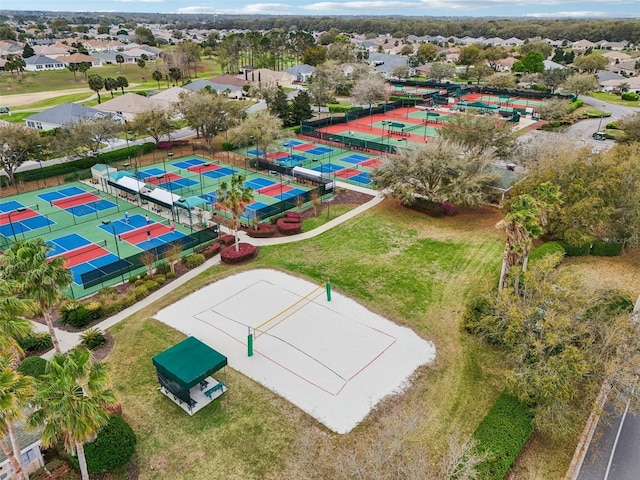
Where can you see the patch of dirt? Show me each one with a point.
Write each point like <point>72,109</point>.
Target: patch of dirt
<point>102,352</point>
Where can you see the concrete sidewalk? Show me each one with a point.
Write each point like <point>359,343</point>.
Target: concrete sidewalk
<point>69,340</point>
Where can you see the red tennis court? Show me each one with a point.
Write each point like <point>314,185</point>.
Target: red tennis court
<point>140,234</point>
<point>76,200</point>
<point>167,177</point>
<point>277,155</point>
<point>202,168</point>
<point>371,163</point>
<point>273,190</point>
<point>16,216</point>
<point>303,147</point>
<point>83,254</point>
<point>347,172</point>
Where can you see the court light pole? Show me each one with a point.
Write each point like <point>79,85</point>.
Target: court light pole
<point>323,185</point>
<point>170,156</point>
<point>13,232</point>
<point>115,239</point>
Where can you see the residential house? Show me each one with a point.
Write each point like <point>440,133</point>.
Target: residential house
<point>98,46</point>
<point>171,95</point>
<point>10,47</point>
<point>80,58</point>
<point>201,83</point>
<point>513,42</point>
<point>505,64</point>
<point>609,81</point>
<point>550,65</point>
<point>616,57</point>
<point>131,104</point>
<point>616,46</point>
<point>301,73</point>
<point>583,45</point>
<point>40,63</point>
<point>267,76</point>
<point>64,114</point>
<point>31,456</point>
<point>625,67</point>
<point>228,79</point>
<point>385,64</point>
<point>110,57</point>
<point>55,50</point>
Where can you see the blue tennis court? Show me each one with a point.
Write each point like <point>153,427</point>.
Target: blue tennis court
<point>10,206</point>
<point>152,172</point>
<point>255,152</point>
<point>90,208</point>
<point>289,194</point>
<point>319,150</point>
<point>94,264</point>
<point>220,172</point>
<point>121,226</point>
<point>62,193</point>
<point>160,240</point>
<point>210,197</point>
<point>192,162</point>
<point>177,184</point>
<point>65,243</point>
<point>258,183</point>
<point>256,206</point>
<point>328,168</point>
<point>26,225</point>
<point>293,143</point>
<point>361,178</point>
<point>354,159</point>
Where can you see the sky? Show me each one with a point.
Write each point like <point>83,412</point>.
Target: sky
<point>457,8</point>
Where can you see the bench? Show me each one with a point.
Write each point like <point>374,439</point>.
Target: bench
<point>219,386</point>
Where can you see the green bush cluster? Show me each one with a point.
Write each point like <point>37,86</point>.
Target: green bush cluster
<point>193,260</point>
<point>630,96</point>
<point>501,435</point>
<point>553,124</point>
<point>79,315</point>
<point>85,163</point>
<point>343,108</point>
<point>151,285</point>
<point>597,114</point>
<point>113,447</point>
<point>433,209</point>
<point>162,268</point>
<point>606,249</point>
<point>545,249</point>
<point>35,342</point>
<point>576,104</point>
<point>613,125</point>
<point>93,338</point>
<point>33,366</point>
<point>576,250</point>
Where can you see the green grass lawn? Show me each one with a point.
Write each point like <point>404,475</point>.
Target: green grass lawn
<point>611,98</point>
<point>17,117</point>
<point>414,270</point>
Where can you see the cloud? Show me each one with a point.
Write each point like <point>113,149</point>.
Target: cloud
<point>576,14</point>
<point>435,6</point>
<point>251,9</point>
<point>360,5</point>
<point>139,1</point>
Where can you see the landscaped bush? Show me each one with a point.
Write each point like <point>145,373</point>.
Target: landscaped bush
<point>545,249</point>
<point>160,279</point>
<point>246,251</point>
<point>501,435</point>
<point>597,114</point>
<point>553,124</point>
<point>33,366</point>
<point>95,310</point>
<point>613,125</point>
<point>193,260</point>
<point>211,250</point>
<point>138,282</point>
<point>630,96</point>
<point>151,285</point>
<point>75,315</point>
<point>170,275</point>
<point>606,249</point>
<point>133,279</point>
<point>576,104</point>
<point>35,342</point>
<point>93,338</point>
<point>433,209</point>
<point>576,250</point>
<point>289,226</point>
<point>264,230</point>
<point>227,239</point>
<point>56,469</point>
<point>162,268</point>
<point>113,447</point>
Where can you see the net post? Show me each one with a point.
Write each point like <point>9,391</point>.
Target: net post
<point>250,343</point>
<point>328,285</point>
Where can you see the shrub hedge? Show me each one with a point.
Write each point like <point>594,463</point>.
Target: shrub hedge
<point>289,226</point>
<point>264,230</point>
<point>433,209</point>
<point>33,366</point>
<point>576,104</point>
<point>35,342</point>
<point>193,260</point>
<point>576,250</point>
<point>113,447</point>
<point>501,435</point>
<point>246,251</point>
<point>85,163</point>
<point>606,249</point>
<point>630,96</point>
<point>93,338</point>
<point>545,249</point>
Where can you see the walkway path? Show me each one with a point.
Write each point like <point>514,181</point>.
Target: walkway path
<point>70,339</point>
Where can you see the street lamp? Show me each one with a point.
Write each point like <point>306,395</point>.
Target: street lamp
<point>21,209</point>
<point>115,239</point>
<point>323,185</point>
<point>170,156</point>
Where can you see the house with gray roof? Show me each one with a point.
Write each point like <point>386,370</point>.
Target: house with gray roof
<point>301,73</point>
<point>65,114</point>
<point>549,65</point>
<point>40,63</point>
<point>385,63</point>
<point>201,83</point>
<point>30,448</point>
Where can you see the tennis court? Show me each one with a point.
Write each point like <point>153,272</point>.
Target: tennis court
<point>16,219</point>
<point>77,201</point>
<point>333,359</point>
<point>505,100</point>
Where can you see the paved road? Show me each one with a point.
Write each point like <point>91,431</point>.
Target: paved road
<point>614,452</point>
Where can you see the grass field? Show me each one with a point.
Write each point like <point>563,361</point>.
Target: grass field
<point>415,270</point>
<point>611,98</point>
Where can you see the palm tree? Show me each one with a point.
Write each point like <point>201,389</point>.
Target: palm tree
<point>96,83</point>
<point>120,61</point>
<point>72,402</point>
<point>11,325</point>
<point>110,85</point>
<point>122,83</point>
<point>234,197</point>
<point>40,280</point>
<point>157,76</point>
<point>15,391</point>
